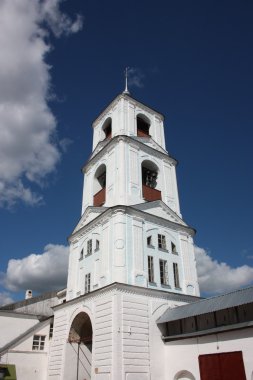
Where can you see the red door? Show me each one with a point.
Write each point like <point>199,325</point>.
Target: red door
<point>225,366</point>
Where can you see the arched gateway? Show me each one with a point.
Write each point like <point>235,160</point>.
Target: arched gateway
<point>78,358</point>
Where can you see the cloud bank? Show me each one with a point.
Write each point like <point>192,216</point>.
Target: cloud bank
<point>39,272</point>
<point>218,277</point>
<point>28,147</point>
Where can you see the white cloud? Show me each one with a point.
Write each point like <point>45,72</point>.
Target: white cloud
<point>39,272</point>
<point>218,277</point>
<point>28,150</point>
<point>5,299</point>
<point>135,77</point>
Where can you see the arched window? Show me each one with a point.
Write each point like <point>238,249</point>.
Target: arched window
<point>143,125</point>
<point>149,181</point>
<point>99,186</point>
<point>107,128</point>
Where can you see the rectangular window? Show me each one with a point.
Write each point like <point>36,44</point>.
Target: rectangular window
<point>161,241</point>
<point>38,342</point>
<point>164,272</point>
<point>51,330</point>
<point>97,245</point>
<point>176,275</point>
<point>173,248</point>
<point>81,255</point>
<point>89,247</point>
<point>150,269</point>
<point>149,240</point>
<point>87,283</point>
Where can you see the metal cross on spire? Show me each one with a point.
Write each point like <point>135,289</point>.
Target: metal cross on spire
<point>126,79</point>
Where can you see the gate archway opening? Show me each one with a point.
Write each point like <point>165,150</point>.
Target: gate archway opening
<point>79,348</point>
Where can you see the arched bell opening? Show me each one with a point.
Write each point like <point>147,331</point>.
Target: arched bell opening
<point>149,181</point>
<point>107,128</point>
<point>78,360</point>
<point>99,189</point>
<point>143,125</point>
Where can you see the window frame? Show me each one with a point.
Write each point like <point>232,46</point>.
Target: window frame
<point>151,276</point>
<point>97,245</point>
<point>87,283</point>
<point>149,241</point>
<point>38,342</point>
<point>173,248</point>
<point>89,247</point>
<point>176,276</point>
<point>164,274</point>
<point>161,240</point>
<point>51,330</point>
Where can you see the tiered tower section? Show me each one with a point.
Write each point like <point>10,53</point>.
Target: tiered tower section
<point>131,230</point>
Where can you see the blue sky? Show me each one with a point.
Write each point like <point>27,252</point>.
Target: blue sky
<point>63,62</point>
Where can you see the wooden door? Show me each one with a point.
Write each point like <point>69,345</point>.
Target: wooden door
<point>224,366</point>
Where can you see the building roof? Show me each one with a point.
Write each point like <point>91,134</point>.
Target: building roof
<point>209,305</point>
<point>123,95</point>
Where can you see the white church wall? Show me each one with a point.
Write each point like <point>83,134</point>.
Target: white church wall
<point>30,364</point>
<point>123,247</point>
<point>126,340</point>
<point>13,325</point>
<point>182,355</point>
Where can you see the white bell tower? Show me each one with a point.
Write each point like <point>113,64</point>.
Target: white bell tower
<point>131,254</point>
<point>131,230</point>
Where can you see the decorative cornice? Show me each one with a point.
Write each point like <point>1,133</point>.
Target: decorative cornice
<point>136,143</point>
<point>129,289</point>
<point>149,205</point>
<point>130,210</point>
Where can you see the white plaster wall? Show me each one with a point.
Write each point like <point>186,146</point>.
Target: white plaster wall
<point>126,341</point>
<point>183,354</point>
<point>14,325</point>
<point>29,364</point>
<point>123,256</point>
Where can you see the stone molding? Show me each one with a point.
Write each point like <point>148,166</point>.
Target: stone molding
<point>117,287</point>
<point>129,140</point>
<point>129,210</point>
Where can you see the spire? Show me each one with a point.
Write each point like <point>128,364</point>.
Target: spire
<point>126,78</point>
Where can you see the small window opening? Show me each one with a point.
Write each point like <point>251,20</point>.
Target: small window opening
<point>51,330</point>
<point>176,275</point>
<point>149,240</point>
<point>89,247</point>
<point>38,342</point>
<point>99,189</point>
<point>87,283</point>
<point>142,127</point>
<point>107,128</point>
<point>164,272</point>
<point>97,245</point>
<point>81,255</point>
<point>102,180</point>
<point>150,269</point>
<point>173,248</point>
<point>161,241</point>
<point>149,177</point>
